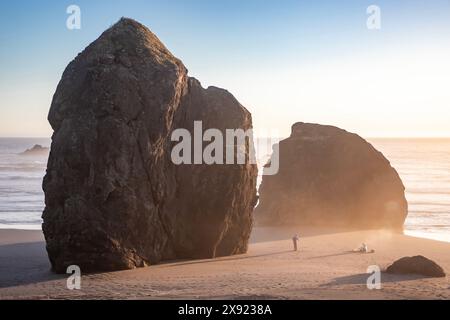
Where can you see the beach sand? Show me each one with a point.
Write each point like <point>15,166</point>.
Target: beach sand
<point>324,268</point>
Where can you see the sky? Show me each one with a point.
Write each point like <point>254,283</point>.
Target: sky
<point>285,61</point>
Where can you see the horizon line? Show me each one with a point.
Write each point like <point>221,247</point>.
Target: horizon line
<point>368,138</point>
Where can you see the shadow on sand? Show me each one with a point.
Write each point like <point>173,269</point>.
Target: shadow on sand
<point>361,279</point>
<point>339,254</point>
<point>176,263</point>
<point>25,263</point>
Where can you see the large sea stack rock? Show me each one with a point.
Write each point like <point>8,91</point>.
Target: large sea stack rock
<point>114,198</point>
<point>330,177</point>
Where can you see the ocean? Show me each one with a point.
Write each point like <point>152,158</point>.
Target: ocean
<point>21,195</point>
<point>423,165</point>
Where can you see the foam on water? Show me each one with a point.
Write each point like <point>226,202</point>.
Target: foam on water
<point>21,195</point>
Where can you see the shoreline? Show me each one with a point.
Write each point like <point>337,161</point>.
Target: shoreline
<point>410,233</point>
<point>324,268</point>
<point>417,234</point>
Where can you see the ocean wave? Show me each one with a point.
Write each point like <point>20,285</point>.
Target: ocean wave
<point>12,192</point>
<point>429,211</point>
<point>13,178</point>
<point>37,226</point>
<point>437,191</point>
<point>428,203</point>
<point>25,212</point>
<point>23,170</point>
<point>19,221</point>
<point>25,167</point>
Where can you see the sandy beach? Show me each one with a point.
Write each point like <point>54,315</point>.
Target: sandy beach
<point>324,268</point>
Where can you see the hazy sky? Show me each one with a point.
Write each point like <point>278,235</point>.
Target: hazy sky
<point>286,61</point>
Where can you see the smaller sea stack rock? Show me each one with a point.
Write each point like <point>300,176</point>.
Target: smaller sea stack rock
<point>330,177</point>
<point>416,265</point>
<point>37,150</point>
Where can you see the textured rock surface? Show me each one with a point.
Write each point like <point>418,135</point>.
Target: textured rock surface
<point>416,265</point>
<point>114,199</point>
<point>330,177</point>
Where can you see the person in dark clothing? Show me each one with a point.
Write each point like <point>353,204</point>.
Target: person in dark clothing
<point>295,240</point>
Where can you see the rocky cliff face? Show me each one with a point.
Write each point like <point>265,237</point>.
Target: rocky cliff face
<point>114,199</point>
<point>330,177</point>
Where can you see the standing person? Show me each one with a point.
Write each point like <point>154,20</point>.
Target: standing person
<point>295,239</point>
